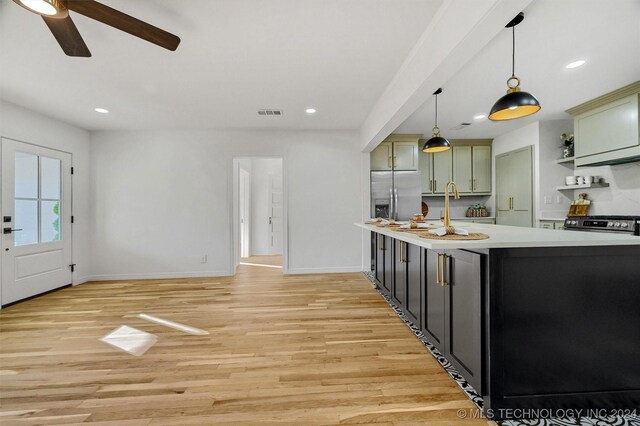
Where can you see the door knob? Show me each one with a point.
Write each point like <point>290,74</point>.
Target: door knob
<point>9,230</point>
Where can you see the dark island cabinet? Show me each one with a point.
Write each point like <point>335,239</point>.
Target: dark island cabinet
<point>378,258</point>
<point>388,263</point>
<point>407,291</point>
<point>434,312</point>
<point>441,293</point>
<point>415,282</point>
<point>453,313</point>
<point>399,289</point>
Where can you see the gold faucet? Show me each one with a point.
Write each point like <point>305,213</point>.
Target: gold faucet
<point>447,218</point>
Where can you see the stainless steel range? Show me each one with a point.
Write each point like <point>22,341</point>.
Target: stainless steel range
<point>618,224</point>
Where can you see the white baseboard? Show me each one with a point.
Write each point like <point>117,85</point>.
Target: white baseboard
<point>158,275</point>
<point>328,270</point>
<point>82,280</point>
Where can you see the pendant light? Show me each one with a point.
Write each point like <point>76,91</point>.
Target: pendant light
<point>437,143</point>
<point>516,103</point>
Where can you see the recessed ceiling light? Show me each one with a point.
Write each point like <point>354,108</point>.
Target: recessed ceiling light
<point>479,116</point>
<point>102,110</point>
<point>575,64</point>
<point>310,110</point>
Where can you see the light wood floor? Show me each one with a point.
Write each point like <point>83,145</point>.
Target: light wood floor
<point>305,349</point>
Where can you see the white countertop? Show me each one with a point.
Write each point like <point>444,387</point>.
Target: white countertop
<point>501,236</point>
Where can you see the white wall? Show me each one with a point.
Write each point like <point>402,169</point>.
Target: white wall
<point>162,200</point>
<point>261,169</point>
<point>553,204</point>
<point>519,138</point>
<point>622,197</point>
<point>27,126</point>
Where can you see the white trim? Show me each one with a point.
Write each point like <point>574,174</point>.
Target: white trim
<point>157,275</point>
<point>82,280</point>
<point>327,270</point>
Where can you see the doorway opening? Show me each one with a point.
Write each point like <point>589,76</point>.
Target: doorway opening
<point>259,213</point>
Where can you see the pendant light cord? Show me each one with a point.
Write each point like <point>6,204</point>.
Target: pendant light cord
<point>513,52</point>
<point>436,110</point>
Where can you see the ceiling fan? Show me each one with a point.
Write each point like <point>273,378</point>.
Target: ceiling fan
<point>56,15</point>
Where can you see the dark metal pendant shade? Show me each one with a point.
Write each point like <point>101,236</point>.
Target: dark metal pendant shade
<point>514,105</point>
<point>436,144</point>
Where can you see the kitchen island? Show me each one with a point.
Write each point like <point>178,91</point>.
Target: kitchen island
<point>534,319</point>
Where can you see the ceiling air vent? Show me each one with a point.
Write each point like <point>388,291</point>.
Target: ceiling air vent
<point>275,112</point>
<point>460,126</point>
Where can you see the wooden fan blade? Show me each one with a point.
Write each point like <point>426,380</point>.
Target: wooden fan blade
<point>114,18</point>
<point>65,31</point>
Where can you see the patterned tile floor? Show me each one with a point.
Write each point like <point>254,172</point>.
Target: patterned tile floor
<point>477,398</point>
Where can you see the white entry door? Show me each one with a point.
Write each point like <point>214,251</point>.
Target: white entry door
<point>275,214</point>
<point>36,220</point>
<point>245,217</point>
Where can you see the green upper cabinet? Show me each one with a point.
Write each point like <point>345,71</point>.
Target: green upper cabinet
<point>442,170</point>
<point>481,169</point>
<point>382,157</point>
<point>425,165</point>
<point>468,164</point>
<point>462,173</point>
<point>405,156</point>
<point>396,152</point>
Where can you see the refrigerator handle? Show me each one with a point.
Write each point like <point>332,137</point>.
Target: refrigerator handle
<point>391,203</point>
<point>395,203</point>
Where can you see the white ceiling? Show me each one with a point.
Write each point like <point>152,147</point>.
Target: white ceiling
<point>554,33</point>
<point>235,58</point>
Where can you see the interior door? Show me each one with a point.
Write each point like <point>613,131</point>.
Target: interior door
<point>504,180</point>
<point>36,220</point>
<point>245,217</point>
<point>275,217</point>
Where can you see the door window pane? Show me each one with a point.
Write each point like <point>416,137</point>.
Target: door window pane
<point>50,221</point>
<point>50,178</point>
<point>26,175</point>
<point>26,218</point>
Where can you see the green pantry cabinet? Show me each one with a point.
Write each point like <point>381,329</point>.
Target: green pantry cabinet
<point>519,323</point>
<point>440,292</point>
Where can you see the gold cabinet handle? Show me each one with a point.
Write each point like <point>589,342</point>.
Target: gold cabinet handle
<point>435,185</point>
<point>431,185</point>
<point>442,281</point>
<point>389,162</point>
<point>438,270</point>
<point>403,258</point>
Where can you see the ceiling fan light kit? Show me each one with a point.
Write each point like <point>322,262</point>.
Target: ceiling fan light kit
<point>436,143</point>
<point>49,8</point>
<point>516,103</point>
<point>55,14</point>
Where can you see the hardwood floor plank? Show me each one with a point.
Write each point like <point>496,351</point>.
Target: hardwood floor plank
<point>295,349</point>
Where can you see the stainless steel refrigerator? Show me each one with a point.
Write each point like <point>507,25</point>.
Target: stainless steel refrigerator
<point>395,195</point>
